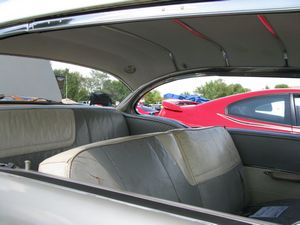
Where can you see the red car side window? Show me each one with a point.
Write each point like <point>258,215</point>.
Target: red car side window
<point>269,108</point>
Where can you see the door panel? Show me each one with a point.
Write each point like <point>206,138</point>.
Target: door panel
<point>272,164</point>
<point>268,149</point>
<point>263,188</point>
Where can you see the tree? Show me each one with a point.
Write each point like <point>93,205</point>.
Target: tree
<point>73,85</point>
<point>101,82</point>
<point>78,88</point>
<point>218,88</point>
<point>116,89</point>
<point>96,81</point>
<point>267,87</point>
<point>185,93</point>
<point>153,97</point>
<point>281,86</point>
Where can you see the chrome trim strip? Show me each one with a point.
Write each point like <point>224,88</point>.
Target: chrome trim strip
<point>228,7</point>
<point>267,124</point>
<point>15,30</point>
<point>170,53</point>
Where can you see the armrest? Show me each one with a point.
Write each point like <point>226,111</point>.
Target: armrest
<point>287,176</point>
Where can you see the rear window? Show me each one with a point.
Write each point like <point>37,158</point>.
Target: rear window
<point>31,80</point>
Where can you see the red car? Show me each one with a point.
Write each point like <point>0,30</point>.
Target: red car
<point>273,110</point>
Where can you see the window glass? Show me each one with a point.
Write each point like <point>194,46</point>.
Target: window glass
<point>274,108</point>
<point>297,108</point>
<point>88,86</point>
<point>203,101</point>
<point>30,80</point>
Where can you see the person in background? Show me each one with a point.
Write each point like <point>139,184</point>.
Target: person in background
<point>100,99</point>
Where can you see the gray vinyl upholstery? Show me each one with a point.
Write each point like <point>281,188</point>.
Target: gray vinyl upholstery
<point>39,133</point>
<point>199,167</point>
<point>162,165</point>
<point>148,124</point>
<point>94,125</point>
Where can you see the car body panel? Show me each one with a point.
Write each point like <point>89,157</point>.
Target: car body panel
<point>214,113</point>
<point>39,202</point>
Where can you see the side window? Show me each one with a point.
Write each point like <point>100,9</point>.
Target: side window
<point>274,108</point>
<point>297,108</point>
<point>83,85</point>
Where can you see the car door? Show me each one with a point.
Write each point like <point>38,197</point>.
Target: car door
<point>267,112</point>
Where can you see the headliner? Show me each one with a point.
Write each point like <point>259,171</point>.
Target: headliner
<point>139,52</point>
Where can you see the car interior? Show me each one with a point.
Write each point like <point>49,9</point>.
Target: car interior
<point>249,173</point>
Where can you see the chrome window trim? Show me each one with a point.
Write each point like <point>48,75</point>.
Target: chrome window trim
<point>230,7</point>
<point>14,30</point>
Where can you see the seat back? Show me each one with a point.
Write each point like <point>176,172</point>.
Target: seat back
<point>194,166</point>
<point>39,132</point>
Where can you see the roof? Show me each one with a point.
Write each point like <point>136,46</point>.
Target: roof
<point>140,50</point>
<point>24,10</point>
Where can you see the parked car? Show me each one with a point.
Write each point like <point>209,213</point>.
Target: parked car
<point>78,164</point>
<point>146,110</point>
<point>193,98</point>
<point>270,110</point>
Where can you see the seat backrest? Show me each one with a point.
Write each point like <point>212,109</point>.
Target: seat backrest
<point>195,166</point>
<point>40,132</point>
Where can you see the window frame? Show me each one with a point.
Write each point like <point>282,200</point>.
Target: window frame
<point>296,121</point>
<point>289,109</point>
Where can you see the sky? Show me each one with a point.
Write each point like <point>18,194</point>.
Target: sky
<point>253,83</point>
<point>190,84</point>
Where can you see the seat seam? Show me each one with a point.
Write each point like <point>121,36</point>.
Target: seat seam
<point>88,128</point>
<point>184,158</point>
<point>116,168</point>
<point>154,150</point>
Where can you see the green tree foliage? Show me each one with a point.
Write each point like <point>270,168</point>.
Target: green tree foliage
<point>116,89</point>
<point>218,88</point>
<point>101,82</point>
<point>185,93</point>
<point>153,97</point>
<point>78,88</point>
<point>96,81</point>
<point>73,85</point>
<point>281,86</point>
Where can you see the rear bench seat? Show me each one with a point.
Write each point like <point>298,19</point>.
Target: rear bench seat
<point>38,133</point>
<point>199,167</point>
